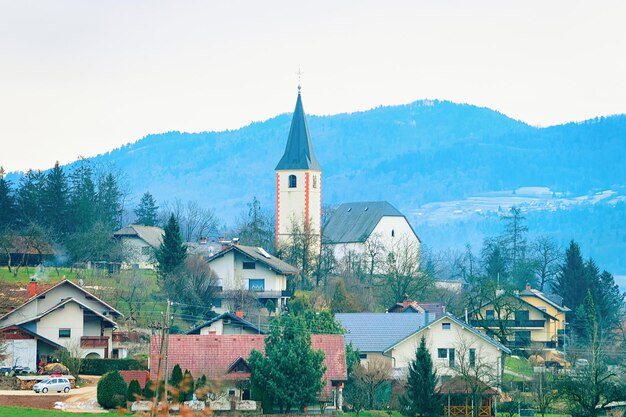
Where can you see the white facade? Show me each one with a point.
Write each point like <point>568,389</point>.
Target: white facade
<point>232,275</point>
<point>20,353</point>
<point>138,254</point>
<point>300,205</point>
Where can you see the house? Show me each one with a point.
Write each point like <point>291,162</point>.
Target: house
<point>138,245</point>
<point>224,358</point>
<point>63,316</point>
<point>226,323</point>
<point>248,268</point>
<point>409,306</point>
<point>369,229</point>
<point>25,250</point>
<point>530,320</point>
<point>396,337</point>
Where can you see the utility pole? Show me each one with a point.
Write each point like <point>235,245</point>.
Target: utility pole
<point>164,327</point>
<point>167,346</point>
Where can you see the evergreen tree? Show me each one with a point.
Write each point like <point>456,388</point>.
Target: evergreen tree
<point>109,202</point>
<point>609,301</point>
<point>112,390</point>
<point>175,381</point>
<point>186,387</point>
<point>172,253</point>
<point>494,262</point>
<point>55,201</point>
<point>29,195</point>
<point>420,398</point>
<point>146,211</point>
<point>7,203</point>
<point>571,282</point>
<point>134,391</point>
<point>291,372</point>
<point>83,198</point>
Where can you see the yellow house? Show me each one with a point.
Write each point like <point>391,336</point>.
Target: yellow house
<point>529,320</point>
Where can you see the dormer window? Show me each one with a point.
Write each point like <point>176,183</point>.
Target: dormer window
<point>293,182</point>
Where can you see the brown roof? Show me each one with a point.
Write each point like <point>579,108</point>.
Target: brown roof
<point>458,385</point>
<point>140,376</point>
<point>24,244</point>
<point>213,355</point>
<point>437,309</point>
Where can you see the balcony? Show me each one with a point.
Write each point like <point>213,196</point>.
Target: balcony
<point>530,344</point>
<point>536,324</point>
<point>125,337</point>
<point>94,342</point>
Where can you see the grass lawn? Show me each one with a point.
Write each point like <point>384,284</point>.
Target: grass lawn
<point>537,414</point>
<point>519,365</point>
<point>374,413</point>
<point>25,273</point>
<point>37,412</point>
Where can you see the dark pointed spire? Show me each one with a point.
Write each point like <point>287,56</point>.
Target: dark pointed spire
<point>299,150</point>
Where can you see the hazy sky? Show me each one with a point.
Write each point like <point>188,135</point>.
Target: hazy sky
<point>83,77</point>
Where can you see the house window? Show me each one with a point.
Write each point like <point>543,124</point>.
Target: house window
<point>65,332</point>
<point>542,309</point>
<point>249,265</point>
<point>445,326</point>
<point>472,358</point>
<point>362,356</point>
<point>490,315</point>
<point>442,353</point>
<point>521,315</point>
<point>393,233</point>
<point>451,358</point>
<point>145,250</point>
<point>256,285</point>
<point>293,183</point>
<point>522,338</point>
<point>314,181</point>
<point>231,393</point>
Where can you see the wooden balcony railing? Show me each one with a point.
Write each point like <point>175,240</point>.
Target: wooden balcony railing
<point>94,341</point>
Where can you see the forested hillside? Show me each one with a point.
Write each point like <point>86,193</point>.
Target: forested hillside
<point>410,155</point>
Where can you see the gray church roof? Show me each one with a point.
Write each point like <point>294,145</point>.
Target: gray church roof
<point>299,150</point>
<point>354,222</point>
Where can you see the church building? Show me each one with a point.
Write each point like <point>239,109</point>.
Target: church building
<point>298,185</point>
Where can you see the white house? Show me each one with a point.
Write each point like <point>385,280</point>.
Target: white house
<point>63,316</point>
<point>396,337</point>
<point>226,323</point>
<point>252,269</point>
<point>369,228</point>
<point>138,244</point>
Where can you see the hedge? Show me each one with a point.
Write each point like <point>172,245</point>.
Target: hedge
<point>102,366</point>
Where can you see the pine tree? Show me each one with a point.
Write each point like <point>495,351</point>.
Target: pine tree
<point>609,301</point>
<point>7,203</point>
<point>134,391</point>
<point>186,387</point>
<point>55,201</point>
<point>172,253</point>
<point>29,196</point>
<point>109,202</point>
<point>420,398</point>
<point>82,198</point>
<point>571,282</point>
<point>146,211</point>
<point>175,381</point>
<point>291,372</point>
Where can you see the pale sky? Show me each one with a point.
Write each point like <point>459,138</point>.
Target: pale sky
<point>83,77</point>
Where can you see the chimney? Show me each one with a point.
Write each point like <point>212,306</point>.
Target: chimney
<point>203,240</point>
<point>32,288</point>
<point>528,287</point>
<point>235,241</point>
<point>466,316</point>
<point>221,238</point>
<point>239,314</point>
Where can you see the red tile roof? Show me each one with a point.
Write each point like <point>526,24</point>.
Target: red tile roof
<point>140,376</point>
<point>213,355</point>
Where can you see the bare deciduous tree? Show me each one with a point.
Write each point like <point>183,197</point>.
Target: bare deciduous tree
<point>548,257</point>
<point>372,376</point>
<point>195,221</point>
<point>400,275</point>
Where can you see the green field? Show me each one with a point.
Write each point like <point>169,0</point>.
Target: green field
<point>36,412</point>
<point>24,274</point>
<point>518,365</point>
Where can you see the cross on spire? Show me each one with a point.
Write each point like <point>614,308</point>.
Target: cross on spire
<point>299,73</point>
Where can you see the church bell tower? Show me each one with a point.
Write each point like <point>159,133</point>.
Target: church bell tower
<point>299,185</point>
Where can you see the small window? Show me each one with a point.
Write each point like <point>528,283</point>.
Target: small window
<point>231,393</point>
<point>445,326</point>
<point>249,265</point>
<point>542,309</point>
<point>451,358</point>
<point>490,315</point>
<point>393,233</point>
<point>65,332</point>
<point>362,355</point>
<point>442,353</point>
<point>472,358</point>
<point>293,182</point>
<point>314,181</point>
<point>145,250</point>
<point>256,285</point>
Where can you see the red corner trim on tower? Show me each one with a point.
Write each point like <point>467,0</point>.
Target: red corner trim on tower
<point>306,202</point>
<point>277,207</point>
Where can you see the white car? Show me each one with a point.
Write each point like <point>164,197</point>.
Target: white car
<point>52,384</point>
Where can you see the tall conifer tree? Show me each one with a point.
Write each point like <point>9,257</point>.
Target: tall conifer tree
<point>7,203</point>
<point>146,211</point>
<point>172,252</point>
<point>55,200</point>
<point>420,398</point>
<point>571,282</point>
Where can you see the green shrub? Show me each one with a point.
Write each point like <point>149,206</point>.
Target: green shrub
<point>186,387</point>
<point>148,390</point>
<point>134,391</point>
<point>102,366</point>
<point>112,390</point>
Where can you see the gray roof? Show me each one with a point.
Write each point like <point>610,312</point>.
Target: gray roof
<point>379,332</point>
<point>226,315</point>
<point>555,300</point>
<point>299,150</point>
<point>354,222</point>
<point>152,235</point>
<point>376,332</point>
<point>259,255</point>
